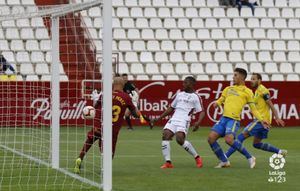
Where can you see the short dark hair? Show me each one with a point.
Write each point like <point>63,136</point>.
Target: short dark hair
<point>117,75</point>
<point>241,71</point>
<point>124,74</point>
<point>258,76</point>
<point>191,79</point>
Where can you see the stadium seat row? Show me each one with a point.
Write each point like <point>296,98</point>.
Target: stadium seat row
<point>201,34</point>
<point>196,23</point>
<point>208,56</point>
<point>208,68</point>
<point>216,77</point>
<point>211,45</point>
<point>192,12</point>
<point>194,3</point>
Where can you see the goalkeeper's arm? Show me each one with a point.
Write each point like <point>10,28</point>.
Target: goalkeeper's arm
<point>95,97</point>
<point>134,97</point>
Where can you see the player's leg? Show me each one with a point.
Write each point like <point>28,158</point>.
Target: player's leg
<point>127,119</point>
<point>231,129</point>
<point>148,120</point>
<point>180,138</point>
<point>91,138</point>
<point>168,133</point>
<point>241,137</point>
<point>114,140</point>
<point>258,144</point>
<point>217,131</point>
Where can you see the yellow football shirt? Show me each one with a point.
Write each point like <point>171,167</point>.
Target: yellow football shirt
<point>260,96</point>
<point>234,98</point>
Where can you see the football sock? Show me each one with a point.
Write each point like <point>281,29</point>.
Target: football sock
<point>189,148</point>
<point>231,150</point>
<point>166,150</point>
<point>238,146</point>
<point>266,147</point>
<point>218,151</point>
<point>128,122</point>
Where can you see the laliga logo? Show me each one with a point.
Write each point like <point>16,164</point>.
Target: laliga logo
<point>277,161</point>
<point>214,113</point>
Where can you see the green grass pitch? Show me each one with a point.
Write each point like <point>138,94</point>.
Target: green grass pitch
<point>138,158</point>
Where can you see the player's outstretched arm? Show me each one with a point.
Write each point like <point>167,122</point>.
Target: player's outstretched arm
<point>222,99</point>
<point>95,97</point>
<point>197,123</point>
<point>135,112</point>
<point>275,113</point>
<point>166,113</point>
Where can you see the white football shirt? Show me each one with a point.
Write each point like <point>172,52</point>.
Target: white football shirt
<point>185,105</point>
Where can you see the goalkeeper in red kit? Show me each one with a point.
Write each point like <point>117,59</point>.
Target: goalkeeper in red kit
<point>121,101</point>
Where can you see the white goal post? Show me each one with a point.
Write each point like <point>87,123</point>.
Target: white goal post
<point>53,152</point>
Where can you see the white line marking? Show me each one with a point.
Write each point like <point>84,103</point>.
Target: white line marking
<point>84,180</point>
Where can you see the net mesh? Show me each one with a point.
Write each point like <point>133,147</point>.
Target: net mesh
<point>25,96</point>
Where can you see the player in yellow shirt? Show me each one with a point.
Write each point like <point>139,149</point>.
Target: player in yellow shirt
<point>264,104</point>
<point>234,98</point>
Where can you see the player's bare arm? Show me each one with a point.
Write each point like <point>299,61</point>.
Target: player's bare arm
<point>275,113</point>
<point>166,113</point>
<point>135,112</point>
<point>197,123</point>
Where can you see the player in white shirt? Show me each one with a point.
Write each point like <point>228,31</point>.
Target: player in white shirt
<point>185,104</point>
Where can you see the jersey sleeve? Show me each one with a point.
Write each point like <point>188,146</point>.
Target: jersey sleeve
<point>266,94</point>
<point>130,104</point>
<point>132,87</point>
<point>198,104</point>
<point>251,103</point>
<point>221,100</point>
<point>174,102</point>
<point>250,97</point>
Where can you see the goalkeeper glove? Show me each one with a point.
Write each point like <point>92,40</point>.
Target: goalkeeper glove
<point>95,95</point>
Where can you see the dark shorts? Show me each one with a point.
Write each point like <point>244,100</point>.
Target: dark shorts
<point>226,126</point>
<point>95,134</point>
<point>256,129</point>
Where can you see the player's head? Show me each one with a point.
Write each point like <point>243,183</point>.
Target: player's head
<point>118,83</point>
<point>125,77</point>
<point>188,83</point>
<point>239,76</point>
<point>256,80</point>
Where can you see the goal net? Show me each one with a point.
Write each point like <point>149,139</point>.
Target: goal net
<point>50,64</point>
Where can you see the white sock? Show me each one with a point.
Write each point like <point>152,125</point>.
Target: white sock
<point>166,150</point>
<point>190,149</point>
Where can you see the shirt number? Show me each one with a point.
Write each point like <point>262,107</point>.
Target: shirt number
<point>116,112</point>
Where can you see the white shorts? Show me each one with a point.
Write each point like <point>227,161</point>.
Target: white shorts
<point>135,103</point>
<point>178,126</point>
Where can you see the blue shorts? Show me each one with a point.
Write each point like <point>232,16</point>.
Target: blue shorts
<point>226,126</point>
<point>256,129</point>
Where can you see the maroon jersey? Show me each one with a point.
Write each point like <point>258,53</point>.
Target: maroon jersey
<point>121,101</point>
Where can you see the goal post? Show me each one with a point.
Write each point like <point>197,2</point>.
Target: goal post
<point>55,88</point>
<point>42,130</point>
<point>107,95</point>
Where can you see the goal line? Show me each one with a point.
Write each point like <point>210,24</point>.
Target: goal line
<point>39,161</point>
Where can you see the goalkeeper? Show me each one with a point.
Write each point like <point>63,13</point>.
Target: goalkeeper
<point>133,92</point>
<point>121,101</point>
